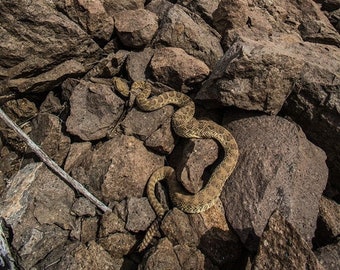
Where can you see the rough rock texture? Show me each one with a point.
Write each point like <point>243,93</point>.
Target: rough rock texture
<point>204,8</point>
<point>90,15</point>
<point>137,62</point>
<point>114,6</point>
<point>136,28</point>
<point>36,231</point>
<point>183,29</point>
<point>328,228</point>
<point>39,55</point>
<point>94,110</point>
<point>329,256</point>
<point>174,67</point>
<point>278,168</point>
<point>282,247</point>
<point>47,133</point>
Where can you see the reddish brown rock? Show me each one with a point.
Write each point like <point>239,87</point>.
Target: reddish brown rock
<point>118,244</point>
<point>183,29</point>
<point>91,16</point>
<point>76,155</point>
<point>282,247</point>
<point>51,104</point>
<point>204,8</point>
<point>329,256</point>
<point>94,110</point>
<point>278,168</point>
<point>110,223</point>
<point>136,28</point>
<point>114,7</point>
<point>137,63</point>
<point>83,207</point>
<point>47,133</point>
<point>174,67</point>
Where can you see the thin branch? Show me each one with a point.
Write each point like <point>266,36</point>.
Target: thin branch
<point>52,165</point>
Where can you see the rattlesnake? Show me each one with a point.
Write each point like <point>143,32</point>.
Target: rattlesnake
<point>185,125</point>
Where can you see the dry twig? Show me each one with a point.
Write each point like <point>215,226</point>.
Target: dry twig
<point>52,165</point>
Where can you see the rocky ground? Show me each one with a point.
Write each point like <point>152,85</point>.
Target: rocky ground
<point>269,71</point>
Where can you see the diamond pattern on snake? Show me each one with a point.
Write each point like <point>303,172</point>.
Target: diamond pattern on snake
<point>185,125</point>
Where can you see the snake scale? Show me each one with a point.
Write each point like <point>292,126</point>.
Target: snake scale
<point>185,125</point>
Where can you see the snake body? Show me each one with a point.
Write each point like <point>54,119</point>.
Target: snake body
<point>185,125</point>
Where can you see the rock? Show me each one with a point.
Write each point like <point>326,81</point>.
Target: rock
<point>278,168</point>
<point>114,7</point>
<point>94,110</point>
<point>47,133</point>
<point>76,155</point>
<point>140,214</point>
<point>57,48</point>
<point>268,21</point>
<point>282,247</point>
<point>51,104</point>
<point>328,227</point>
<point>174,67</point>
<point>118,244</point>
<point>329,256</point>
<point>110,223</point>
<point>130,168</point>
<point>177,228</point>
<point>137,63</point>
<point>136,28</point>
<point>203,8</point>
<point>144,124</point>
<point>89,228</point>
<point>80,256</point>
<point>83,207</point>
<point>329,5</point>
<point>334,18</point>
<point>20,109</point>
<point>90,15</point>
<point>36,231</point>
<point>162,140</point>
<point>191,158</point>
<point>273,70</point>
<point>183,29</point>
<point>162,257</point>
<point>189,257</point>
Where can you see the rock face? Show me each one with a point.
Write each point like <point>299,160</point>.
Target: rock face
<point>278,168</point>
<point>61,64</point>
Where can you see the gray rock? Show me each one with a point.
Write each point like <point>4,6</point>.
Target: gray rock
<point>189,257</point>
<point>51,104</point>
<point>282,247</point>
<point>110,223</point>
<point>174,67</point>
<point>89,228</point>
<point>140,214</point>
<point>36,231</point>
<point>183,29</point>
<point>329,256</point>
<point>47,133</point>
<point>94,110</point>
<point>278,168</point>
<point>136,28</point>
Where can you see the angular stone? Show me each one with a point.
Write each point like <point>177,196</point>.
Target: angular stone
<point>94,110</point>
<point>135,163</point>
<point>36,231</point>
<point>140,214</point>
<point>83,207</point>
<point>183,29</point>
<point>174,67</point>
<point>118,244</point>
<point>90,15</point>
<point>114,6</point>
<point>328,228</point>
<point>189,257</point>
<point>137,63</point>
<point>47,133</point>
<point>162,256</point>
<point>191,159</point>
<point>282,247</point>
<point>51,104</point>
<point>110,223</point>
<point>278,168</point>
<point>136,28</point>
<point>144,124</point>
<point>89,228</point>
<point>76,155</point>
<point>204,8</point>
<point>329,256</point>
